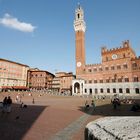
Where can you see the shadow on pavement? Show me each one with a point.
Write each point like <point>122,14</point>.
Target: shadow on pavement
<point>16,124</point>
<point>107,110</point>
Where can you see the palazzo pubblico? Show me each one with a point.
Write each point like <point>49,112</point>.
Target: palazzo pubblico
<point>118,72</point>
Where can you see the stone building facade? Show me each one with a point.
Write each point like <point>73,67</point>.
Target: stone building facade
<point>62,82</point>
<point>39,79</point>
<point>13,75</point>
<point>119,71</point>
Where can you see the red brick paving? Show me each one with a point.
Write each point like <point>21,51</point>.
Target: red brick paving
<point>41,122</point>
<point>49,115</point>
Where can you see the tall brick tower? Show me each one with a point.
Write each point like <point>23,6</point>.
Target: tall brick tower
<point>79,27</point>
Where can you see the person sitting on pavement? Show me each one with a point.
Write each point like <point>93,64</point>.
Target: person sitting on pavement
<point>86,105</point>
<point>93,104</point>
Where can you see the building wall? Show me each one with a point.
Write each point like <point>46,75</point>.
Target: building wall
<point>66,82</point>
<point>39,79</point>
<point>62,82</point>
<point>12,73</point>
<point>119,71</point>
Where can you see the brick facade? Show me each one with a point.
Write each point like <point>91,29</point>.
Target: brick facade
<point>38,79</point>
<point>119,71</point>
<point>62,82</point>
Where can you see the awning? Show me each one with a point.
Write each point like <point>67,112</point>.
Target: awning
<point>20,87</point>
<point>6,87</point>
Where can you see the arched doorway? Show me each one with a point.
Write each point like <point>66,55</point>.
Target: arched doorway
<point>76,88</point>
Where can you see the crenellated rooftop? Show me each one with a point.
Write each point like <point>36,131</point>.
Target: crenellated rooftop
<point>125,44</point>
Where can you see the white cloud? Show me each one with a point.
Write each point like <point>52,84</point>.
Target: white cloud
<point>14,23</point>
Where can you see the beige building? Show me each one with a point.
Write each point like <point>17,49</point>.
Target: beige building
<point>119,71</point>
<point>62,82</point>
<point>13,75</point>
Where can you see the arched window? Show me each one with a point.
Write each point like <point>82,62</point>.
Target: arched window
<point>120,90</point>
<point>136,79</point>
<point>101,90</point>
<point>125,66</point>
<point>126,79</point>
<point>90,91</point>
<point>108,90</point>
<point>96,90</point>
<point>114,90</point>
<point>85,90</point>
<point>78,15</point>
<point>137,90</point>
<point>127,90</point>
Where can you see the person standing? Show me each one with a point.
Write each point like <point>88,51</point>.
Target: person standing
<point>4,105</point>
<point>9,102</point>
<point>93,104</point>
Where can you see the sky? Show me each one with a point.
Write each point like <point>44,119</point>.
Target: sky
<point>40,33</point>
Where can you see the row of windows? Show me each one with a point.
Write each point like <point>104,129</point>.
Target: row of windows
<point>127,90</point>
<point>135,79</point>
<point>37,75</point>
<point>16,84</point>
<point>118,67</point>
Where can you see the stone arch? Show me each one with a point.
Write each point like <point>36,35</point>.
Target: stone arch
<point>77,88</point>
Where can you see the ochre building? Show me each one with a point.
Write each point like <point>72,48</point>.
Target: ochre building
<point>62,83</point>
<point>13,75</point>
<point>119,71</point>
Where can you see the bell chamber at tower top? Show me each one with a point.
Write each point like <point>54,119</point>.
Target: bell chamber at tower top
<point>79,23</point>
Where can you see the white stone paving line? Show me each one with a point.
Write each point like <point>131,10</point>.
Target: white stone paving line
<point>70,130</point>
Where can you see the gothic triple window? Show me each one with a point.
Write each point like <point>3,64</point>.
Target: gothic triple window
<point>106,68</point>
<point>125,66</point>
<point>112,67</point>
<point>113,80</point>
<point>100,69</point>
<point>101,81</point>
<point>89,70</point>
<point>136,79</point>
<point>107,80</point>
<point>126,79</point>
<point>95,69</point>
<point>118,67</point>
<point>90,81</point>
<point>95,81</point>
<point>119,79</point>
<point>134,65</point>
